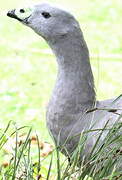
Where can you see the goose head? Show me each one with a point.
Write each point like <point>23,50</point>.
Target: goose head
<point>46,20</point>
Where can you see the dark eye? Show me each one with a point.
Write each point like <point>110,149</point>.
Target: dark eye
<point>22,10</point>
<point>46,15</point>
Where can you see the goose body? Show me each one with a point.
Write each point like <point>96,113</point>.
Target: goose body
<point>73,107</point>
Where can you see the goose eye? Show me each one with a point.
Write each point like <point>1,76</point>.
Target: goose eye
<point>46,15</point>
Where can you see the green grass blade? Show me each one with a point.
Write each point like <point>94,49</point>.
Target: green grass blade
<point>49,170</point>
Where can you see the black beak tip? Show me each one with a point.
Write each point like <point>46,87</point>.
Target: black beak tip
<point>8,14</point>
<point>11,13</point>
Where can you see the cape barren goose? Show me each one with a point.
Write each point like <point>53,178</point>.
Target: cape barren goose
<point>73,107</point>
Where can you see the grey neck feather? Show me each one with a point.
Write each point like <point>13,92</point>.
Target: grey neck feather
<point>74,89</point>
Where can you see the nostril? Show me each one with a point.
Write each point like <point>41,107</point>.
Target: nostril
<point>22,10</point>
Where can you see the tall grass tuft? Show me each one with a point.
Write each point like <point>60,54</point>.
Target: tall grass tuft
<point>102,163</point>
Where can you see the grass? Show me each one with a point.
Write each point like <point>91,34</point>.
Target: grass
<point>28,69</point>
<point>101,162</point>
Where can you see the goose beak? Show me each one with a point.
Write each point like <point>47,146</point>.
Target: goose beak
<point>13,15</point>
<point>21,15</point>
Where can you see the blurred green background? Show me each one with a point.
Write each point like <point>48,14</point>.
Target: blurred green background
<point>28,67</point>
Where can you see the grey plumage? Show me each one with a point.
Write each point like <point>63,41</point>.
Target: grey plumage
<point>73,95</point>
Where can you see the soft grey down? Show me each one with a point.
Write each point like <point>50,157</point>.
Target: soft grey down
<point>74,92</point>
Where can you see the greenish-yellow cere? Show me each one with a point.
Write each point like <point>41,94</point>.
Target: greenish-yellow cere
<point>27,13</point>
